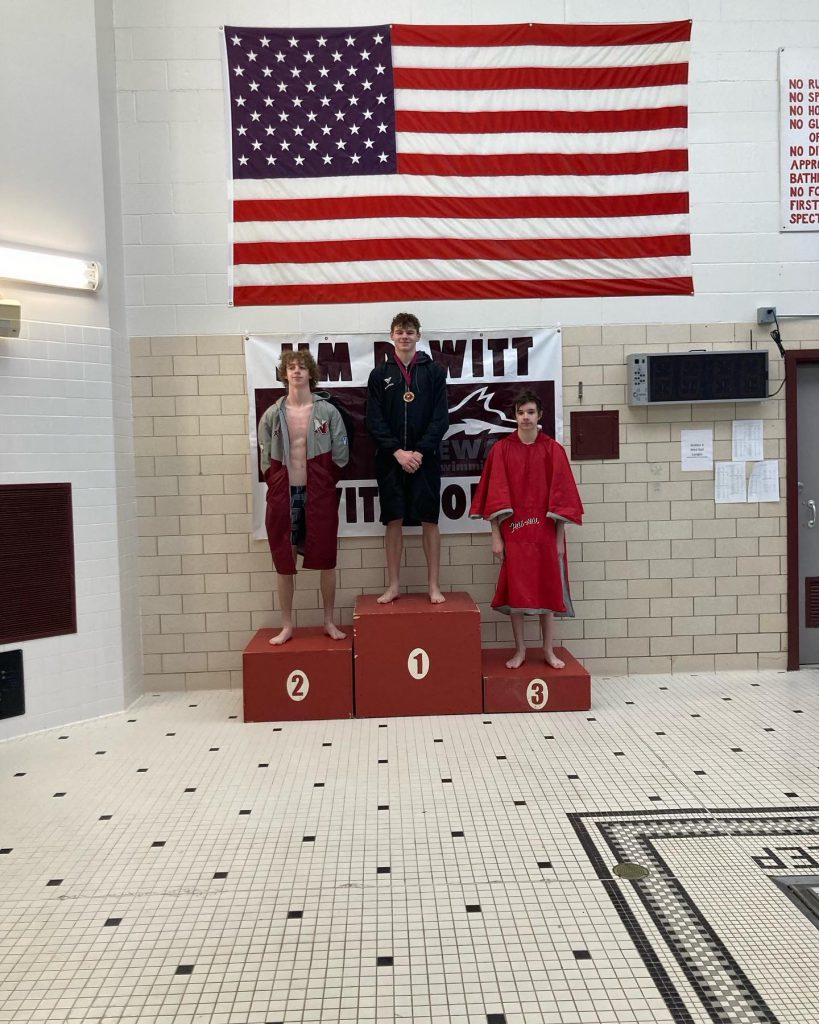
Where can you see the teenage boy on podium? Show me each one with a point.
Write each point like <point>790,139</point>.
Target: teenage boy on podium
<point>407,416</point>
<point>304,443</point>
<point>528,494</point>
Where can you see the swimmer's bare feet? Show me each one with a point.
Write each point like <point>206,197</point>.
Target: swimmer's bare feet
<point>390,594</point>
<point>516,660</point>
<point>332,630</point>
<point>283,637</point>
<point>552,659</point>
<point>435,596</point>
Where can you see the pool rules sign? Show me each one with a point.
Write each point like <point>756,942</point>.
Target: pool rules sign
<point>799,139</point>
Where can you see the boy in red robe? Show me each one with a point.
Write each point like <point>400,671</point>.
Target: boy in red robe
<point>528,493</point>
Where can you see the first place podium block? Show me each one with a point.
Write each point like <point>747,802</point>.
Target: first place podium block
<point>417,658</point>
<point>310,677</point>
<point>534,686</point>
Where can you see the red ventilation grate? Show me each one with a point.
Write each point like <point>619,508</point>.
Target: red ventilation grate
<point>812,601</point>
<point>36,562</point>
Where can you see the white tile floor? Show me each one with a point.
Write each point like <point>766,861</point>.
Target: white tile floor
<point>174,864</point>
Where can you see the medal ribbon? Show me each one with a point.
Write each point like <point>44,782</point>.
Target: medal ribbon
<point>406,372</point>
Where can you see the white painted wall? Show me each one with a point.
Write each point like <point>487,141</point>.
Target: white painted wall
<point>65,405</point>
<point>174,164</point>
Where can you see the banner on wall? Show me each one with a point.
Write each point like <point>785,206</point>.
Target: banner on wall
<point>403,162</point>
<point>485,369</point>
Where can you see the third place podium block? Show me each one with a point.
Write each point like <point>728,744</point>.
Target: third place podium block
<point>309,677</point>
<point>417,658</point>
<point>534,686</point>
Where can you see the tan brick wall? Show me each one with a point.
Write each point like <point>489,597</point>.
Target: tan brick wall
<point>663,579</point>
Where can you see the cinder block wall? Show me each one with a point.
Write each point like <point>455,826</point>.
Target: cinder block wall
<point>663,579</point>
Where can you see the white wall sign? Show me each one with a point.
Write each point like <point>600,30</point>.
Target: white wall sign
<point>799,139</point>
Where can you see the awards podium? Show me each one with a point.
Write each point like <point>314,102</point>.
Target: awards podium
<point>409,657</point>
<point>417,658</point>
<point>309,677</point>
<point>535,686</point>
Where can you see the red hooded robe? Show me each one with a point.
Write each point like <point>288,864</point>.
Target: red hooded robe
<point>527,487</point>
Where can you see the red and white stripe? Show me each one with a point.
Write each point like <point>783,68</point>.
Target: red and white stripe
<point>534,161</point>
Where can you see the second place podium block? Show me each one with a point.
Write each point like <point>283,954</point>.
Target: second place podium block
<point>309,677</point>
<point>417,658</point>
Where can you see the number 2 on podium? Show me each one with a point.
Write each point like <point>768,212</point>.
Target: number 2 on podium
<point>418,663</point>
<point>297,684</point>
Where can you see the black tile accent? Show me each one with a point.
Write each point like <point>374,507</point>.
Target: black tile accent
<point>572,776</point>
<point>756,684</point>
<point>245,811</point>
<point>382,760</point>
<point>318,785</point>
<point>212,749</point>
<point>264,764</point>
<point>112,922</point>
<point>158,842</point>
<point>98,752</point>
<point>496,1018</point>
<point>656,799</point>
<point>220,874</point>
<point>141,770</point>
<point>544,863</point>
<point>131,720</point>
<point>6,849</point>
<point>294,915</point>
<point>193,705</point>
<point>170,734</point>
<point>798,712</point>
<point>501,757</point>
<point>629,702</point>
<point>383,870</point>
<point>236,716</point>
<point>59,794</point>
<point>663,687</point>
<point>383,807</point>
<point>446,780</point>
<point>458,834</point>
<point>184,969</point>
<point>699,771</point>
<point>659,734</point>
<point>382,725</point>
<point>695,715</point>
<point>520,803</point>
<point>19,775</point>
<point>191,789</point>
<point>473,908</point>
<point>769,728</point>
<point>548,737</point>
<point>54,881</point>
<point>581,954</point>
<point>591,719</point>
<point>276,728</point>
<point>327,744</point>
<point>727,698</point>
<point>619,753</point>
<point>383,961</point>
<point>105,817</point>
<point>736,750</point>
<point>308,839</point>
<point>792,795</point>
<point>62,737</point>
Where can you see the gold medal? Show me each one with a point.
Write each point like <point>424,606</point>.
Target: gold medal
<point>409,396</point>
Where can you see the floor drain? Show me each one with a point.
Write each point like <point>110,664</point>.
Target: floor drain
<point>630,870</point>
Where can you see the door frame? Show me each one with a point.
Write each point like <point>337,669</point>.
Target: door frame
<point>793,359</point>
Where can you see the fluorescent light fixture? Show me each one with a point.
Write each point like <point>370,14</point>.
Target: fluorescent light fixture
<point>43,268</point>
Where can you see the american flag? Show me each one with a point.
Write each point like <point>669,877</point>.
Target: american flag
<point>400,162</point>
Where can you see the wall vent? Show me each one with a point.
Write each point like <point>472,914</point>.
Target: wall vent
<point>36,562</point>
<point>812,602</point>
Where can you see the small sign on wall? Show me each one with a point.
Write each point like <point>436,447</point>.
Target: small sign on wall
<point>799,139</point>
